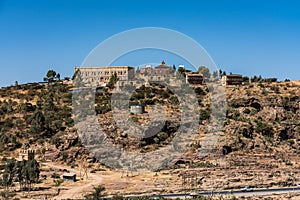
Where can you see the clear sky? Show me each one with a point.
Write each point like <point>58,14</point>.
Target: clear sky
<point>242,36</point>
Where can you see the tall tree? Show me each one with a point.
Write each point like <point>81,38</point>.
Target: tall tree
<point>220,72</point>
<point>205,71</point>
<point>9,173</point>
<point>58,76</point>
<point>113,80</point>
<point>28,174</point>
<point>51,76</point>
<point>37,122</point>
<point>215,74</point>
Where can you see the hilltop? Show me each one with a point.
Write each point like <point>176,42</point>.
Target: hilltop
<point>259,144</point>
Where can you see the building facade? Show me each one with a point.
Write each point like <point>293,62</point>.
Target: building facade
<point>194,78</point>
<point>137,109</point>
<point>102,75</point>
<point>160,70</point>
<point>26,154</point>
<point>232,79</point>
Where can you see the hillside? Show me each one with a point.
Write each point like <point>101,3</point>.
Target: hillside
<point>259,143</point>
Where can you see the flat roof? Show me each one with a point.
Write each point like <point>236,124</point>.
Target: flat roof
<point>234,75</point>
<point>103,67</point>
<point>69,174</point>
<point>194,74</point>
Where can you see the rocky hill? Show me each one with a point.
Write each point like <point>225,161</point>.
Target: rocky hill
<point>260,134</point>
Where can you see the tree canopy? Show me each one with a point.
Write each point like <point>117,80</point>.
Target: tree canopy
<point>204,71</point>
<point>52,76</point>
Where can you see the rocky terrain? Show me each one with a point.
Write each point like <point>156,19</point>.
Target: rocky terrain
<point>258,145</point>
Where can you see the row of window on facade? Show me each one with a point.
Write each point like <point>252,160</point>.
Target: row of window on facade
<point>120,73</point>
<point>103,74</point>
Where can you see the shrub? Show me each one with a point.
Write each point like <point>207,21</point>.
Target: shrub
<point>253,112</point>
<point>174,100</point>
<point>204,115</point>
<point>135,118</point>
<point>58,182</point>
<point>156,140</point>
<point>162,135</point>
<point>247,111</point>
<point>69,122</point>
<point>55,175</point>
<point>264,92</point>
<point>291,142</point>
<point>64,155</point>
<point>264,129</point>
<point>199,91</point>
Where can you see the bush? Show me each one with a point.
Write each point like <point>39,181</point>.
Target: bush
<point>58,182</point>
<point>64,155</point>
<point>291,142</point>
<point>264,129</point>
<point>253,112</point>
<point>264,92</point>
<point>162,135</point>
<point>199,91</point>
<point>174,100</point>
<point>135,118</point>
<point>204,115</point>
<point>247,111</point>
<point>96,194</point>
<point>165,94</point>
<point>69,122</point>
<point>55,141</point>
<point>54,175</point>
<point>156,140</point>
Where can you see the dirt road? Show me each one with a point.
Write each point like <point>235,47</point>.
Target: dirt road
<point>76,191</point>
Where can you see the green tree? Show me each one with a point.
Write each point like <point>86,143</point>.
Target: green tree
<point>180,70</point>
<point>215,74</point>
<point>37,122</point>
<point>9,174</point>
<point>204,114</point>
<point>205,71</point>
<point>51,76</point>
<point>97,194</point>
<point>199,91</point>
<point>28,174</point>
<point>113,80</point>
<point>49,102</point>
<point>58,76</point>
<point>220,72</point>
<point>264,128</point>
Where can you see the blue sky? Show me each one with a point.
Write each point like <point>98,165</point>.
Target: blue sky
<point>242,36</point>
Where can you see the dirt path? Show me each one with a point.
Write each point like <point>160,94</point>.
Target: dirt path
<point>76,191</point>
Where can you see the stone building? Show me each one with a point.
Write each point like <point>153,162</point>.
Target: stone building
<point>69,177</point>
<point>194,78</point>
<point>102,75</point>
<point>137,109</point>
<point>160,70</point>
<point>26,154</point>
<point>232,79</point>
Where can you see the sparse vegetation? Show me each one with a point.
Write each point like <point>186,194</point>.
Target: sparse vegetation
<point>261,119</point>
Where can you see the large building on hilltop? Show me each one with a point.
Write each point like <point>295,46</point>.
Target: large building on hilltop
<point>102,75</point>
<point>160,70</point>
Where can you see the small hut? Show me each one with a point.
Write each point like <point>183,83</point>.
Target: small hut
<point>69,177</point>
